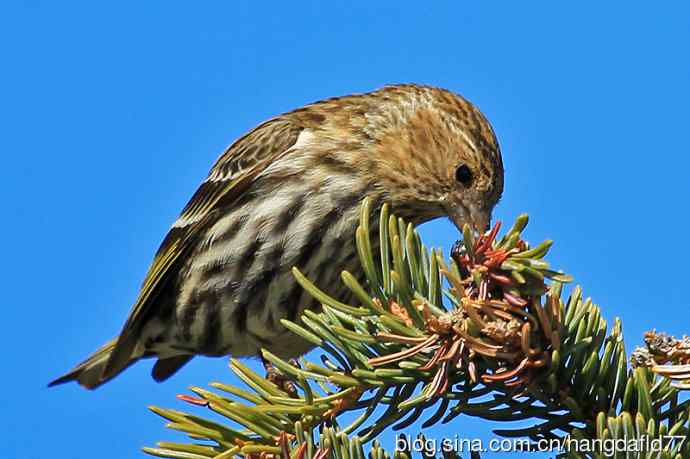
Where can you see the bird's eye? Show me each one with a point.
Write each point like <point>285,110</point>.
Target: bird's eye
<point>463,174</point>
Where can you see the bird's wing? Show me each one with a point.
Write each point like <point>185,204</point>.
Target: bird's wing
<point>229,178</point>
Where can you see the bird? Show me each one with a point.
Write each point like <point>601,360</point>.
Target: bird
<point>287,194</point>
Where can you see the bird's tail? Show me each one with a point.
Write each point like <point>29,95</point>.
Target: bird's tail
<point>89,373</point>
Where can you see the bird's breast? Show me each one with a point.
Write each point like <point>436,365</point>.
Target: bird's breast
<point>238,284</point>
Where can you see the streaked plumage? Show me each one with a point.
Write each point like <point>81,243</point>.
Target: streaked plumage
<point>287,194</point>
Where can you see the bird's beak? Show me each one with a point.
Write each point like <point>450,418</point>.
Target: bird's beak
<point>479,220</point>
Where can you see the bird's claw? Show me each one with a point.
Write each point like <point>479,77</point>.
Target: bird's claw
<point>283,382</point>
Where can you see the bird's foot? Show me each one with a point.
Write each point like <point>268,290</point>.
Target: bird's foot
<point>283,382</point>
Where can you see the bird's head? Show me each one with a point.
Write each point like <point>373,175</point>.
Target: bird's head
<point>437,156</point>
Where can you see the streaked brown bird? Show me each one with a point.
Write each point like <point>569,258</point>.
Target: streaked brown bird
<point>287,194</point>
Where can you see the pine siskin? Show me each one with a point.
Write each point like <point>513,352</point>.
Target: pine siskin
<point>287,194</point>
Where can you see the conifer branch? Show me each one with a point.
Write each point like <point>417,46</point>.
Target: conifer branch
<point>505,345</point>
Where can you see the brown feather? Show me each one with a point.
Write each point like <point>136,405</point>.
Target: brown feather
<point>273,198</point>
<point>181,239</point>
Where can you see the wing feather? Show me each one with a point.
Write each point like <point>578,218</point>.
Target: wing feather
<point>230,177</point>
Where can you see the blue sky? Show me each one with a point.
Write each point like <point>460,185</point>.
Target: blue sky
<point>111,114</point>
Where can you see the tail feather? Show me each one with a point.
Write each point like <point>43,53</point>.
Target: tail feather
<point>120,355</point>
<point>90,373</point>
<point>165,368</point>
